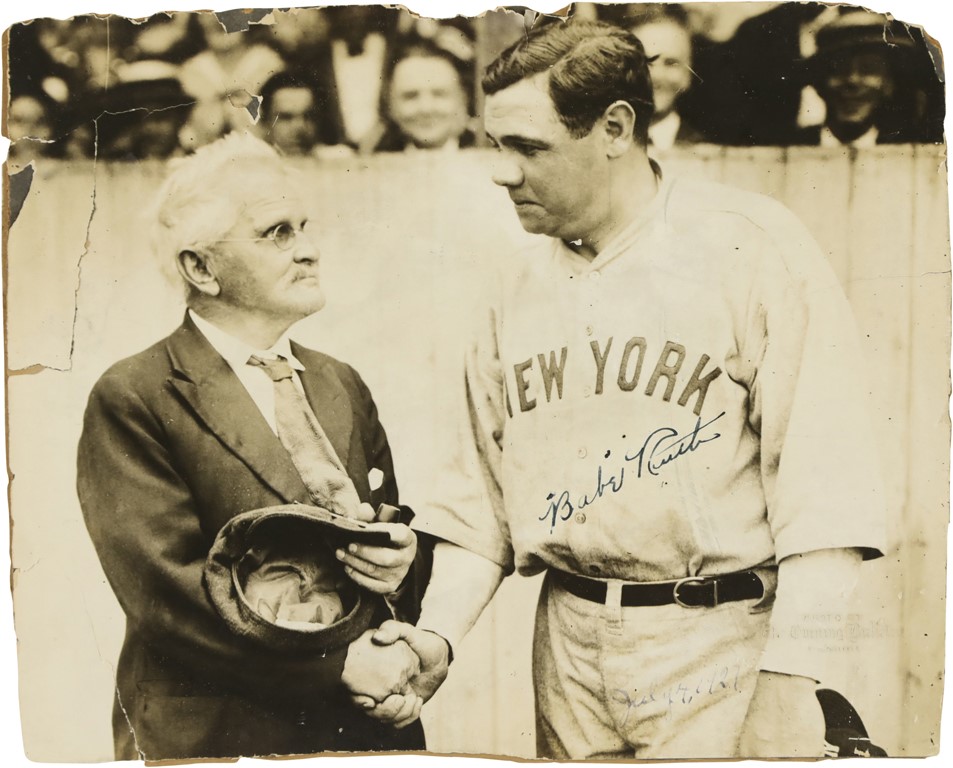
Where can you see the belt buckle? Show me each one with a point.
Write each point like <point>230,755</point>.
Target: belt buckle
<point>691,580</point>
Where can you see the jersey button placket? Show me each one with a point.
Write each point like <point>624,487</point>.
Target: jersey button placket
<point>588,309</point>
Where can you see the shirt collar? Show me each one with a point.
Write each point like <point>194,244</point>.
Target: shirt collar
<point>649,217</point>
<point>865,140</point>
<point>664,133</point>
<point>236,352</point>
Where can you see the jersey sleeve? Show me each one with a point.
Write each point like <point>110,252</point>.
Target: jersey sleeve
<point>467,509</point>
<point>811,616</point>
<point>809,402</point>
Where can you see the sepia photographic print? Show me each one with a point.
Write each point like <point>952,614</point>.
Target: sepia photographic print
<point>529,383</point>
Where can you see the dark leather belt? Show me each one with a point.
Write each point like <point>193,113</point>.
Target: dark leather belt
<point>690,592</point>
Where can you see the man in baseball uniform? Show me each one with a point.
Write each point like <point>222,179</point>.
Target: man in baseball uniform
<point>664,413</point>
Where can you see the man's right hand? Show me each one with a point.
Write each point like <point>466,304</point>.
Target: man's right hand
<point>434,654</point>
<point>379,569</point>
<point>373,672</point>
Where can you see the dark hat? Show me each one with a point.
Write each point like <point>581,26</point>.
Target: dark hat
<point>147,85</point>
<point>863,30</point>
<point>844,730</point>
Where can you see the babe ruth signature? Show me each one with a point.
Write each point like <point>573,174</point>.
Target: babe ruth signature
<point>662,446</point>
<point>709,683</point>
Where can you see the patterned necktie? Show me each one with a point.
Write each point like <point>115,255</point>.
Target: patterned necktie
<point>311,452</point>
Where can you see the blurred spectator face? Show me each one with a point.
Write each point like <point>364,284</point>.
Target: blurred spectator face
<point>671,71</point>
<point>427,101</point>
<point>143,135</point>
<point>156,135</point>
<point>292,128</point>
<point>79,142</point>
<point>160,35</point>
<point>27,118</point>
<point>143,114</point>
<point>219,41</point>
<point>351,22</point>
<point>295,31</point>
<point>855,86</point>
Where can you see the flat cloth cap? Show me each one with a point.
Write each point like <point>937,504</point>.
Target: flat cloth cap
<point>302,538</point>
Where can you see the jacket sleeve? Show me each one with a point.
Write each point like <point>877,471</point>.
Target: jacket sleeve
<point>144,525</point>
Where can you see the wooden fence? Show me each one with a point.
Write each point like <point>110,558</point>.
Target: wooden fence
<point>405,242</point>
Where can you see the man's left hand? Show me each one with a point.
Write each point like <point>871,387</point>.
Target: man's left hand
<point>784,718</point>
<point>381,569</point>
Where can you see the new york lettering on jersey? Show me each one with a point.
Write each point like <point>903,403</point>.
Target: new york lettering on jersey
<point>540,378</point>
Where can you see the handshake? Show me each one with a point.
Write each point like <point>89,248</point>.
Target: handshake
<point>393,670</point>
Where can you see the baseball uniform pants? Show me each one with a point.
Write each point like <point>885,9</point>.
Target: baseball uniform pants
<point>666,682</point>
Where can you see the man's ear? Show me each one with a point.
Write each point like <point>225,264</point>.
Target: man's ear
<point>197,272</point>
<point>619,124</point>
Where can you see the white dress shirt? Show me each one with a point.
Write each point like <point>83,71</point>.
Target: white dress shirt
<point>662,134</point>
<point>358,80</point>
<point>255,380</point>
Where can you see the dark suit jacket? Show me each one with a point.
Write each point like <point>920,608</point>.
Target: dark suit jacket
<point>689,134</point>
<point>748,88</point>
<point>173,447</point>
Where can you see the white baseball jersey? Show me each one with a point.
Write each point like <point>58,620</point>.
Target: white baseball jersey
<point>690,402</point>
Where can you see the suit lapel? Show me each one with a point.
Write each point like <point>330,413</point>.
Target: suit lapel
<point>209,385</point>
<point>328,399</point>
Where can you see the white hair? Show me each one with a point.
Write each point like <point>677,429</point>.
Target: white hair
<point>196,203</point>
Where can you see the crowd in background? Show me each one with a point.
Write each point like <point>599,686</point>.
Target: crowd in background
<point>794,74</point>
<point>366,79</point>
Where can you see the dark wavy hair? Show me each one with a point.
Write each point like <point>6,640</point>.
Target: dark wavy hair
<point>590,65</point>
<point>285,79</point>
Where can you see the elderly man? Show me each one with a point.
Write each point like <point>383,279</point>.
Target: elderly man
<point>663,412</point>
<point>201,430</point>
